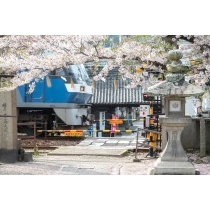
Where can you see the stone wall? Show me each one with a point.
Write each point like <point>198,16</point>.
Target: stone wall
<point>8,127</point>
<point>207,135</point>
<point>191,135</point>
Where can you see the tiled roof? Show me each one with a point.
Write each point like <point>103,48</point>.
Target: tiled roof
<point>114,91</point>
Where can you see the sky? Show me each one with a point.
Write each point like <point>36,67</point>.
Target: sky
<point>110,17</point>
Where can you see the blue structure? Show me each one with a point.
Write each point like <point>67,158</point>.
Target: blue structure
<point>61,96</point>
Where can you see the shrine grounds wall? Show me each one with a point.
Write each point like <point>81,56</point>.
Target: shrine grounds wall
<point>191,135</point>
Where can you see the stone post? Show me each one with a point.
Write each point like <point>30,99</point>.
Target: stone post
<point>8,127</point>
<point>173,159</point>
<point>202,137</point>
<point>164,137</point>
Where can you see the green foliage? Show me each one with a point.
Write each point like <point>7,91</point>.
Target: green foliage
<point>152,40</point>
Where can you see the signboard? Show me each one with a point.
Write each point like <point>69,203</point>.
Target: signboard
<point>191,106</point>
<point>115,121</point>
<point>75,133</point>
<point>144,110</point>
<point>206,104</point>
<point>196,102</point>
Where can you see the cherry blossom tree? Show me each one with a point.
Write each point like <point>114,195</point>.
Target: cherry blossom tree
<point>40,54</point>
<point>197,50</point>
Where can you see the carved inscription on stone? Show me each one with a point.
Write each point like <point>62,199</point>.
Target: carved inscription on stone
<point>174,143</point>
<point>175,106</point>
<point>174,135</point>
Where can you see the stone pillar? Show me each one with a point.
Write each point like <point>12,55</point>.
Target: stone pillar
<point>202,137</point>
<point>8,127</point>
<point>175,89</point>
<point>173,160</point>
<point>164,137</point>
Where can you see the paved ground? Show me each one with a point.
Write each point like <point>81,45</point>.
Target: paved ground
<point>44,164</point>
<point>89,150</point>
<point>93,156</point>
<point>99,156</point>
<point>103,146</point>
<point>128,141</point>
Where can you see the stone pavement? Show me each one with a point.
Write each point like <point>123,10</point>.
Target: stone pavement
<point>102,146</point>
<point>105,146</point>
<point>86,150</point>
<point>127,142</point>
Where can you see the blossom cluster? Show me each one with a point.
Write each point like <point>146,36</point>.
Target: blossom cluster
<point>40,54</point>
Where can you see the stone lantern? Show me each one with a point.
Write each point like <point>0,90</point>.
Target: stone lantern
<point>174,89</point>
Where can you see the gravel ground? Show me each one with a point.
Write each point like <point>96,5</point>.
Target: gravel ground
<point>43,164</point>
<point>79,165</point>
<point>43,142</point>
<point>94,192</point>
<point>202,164</point>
